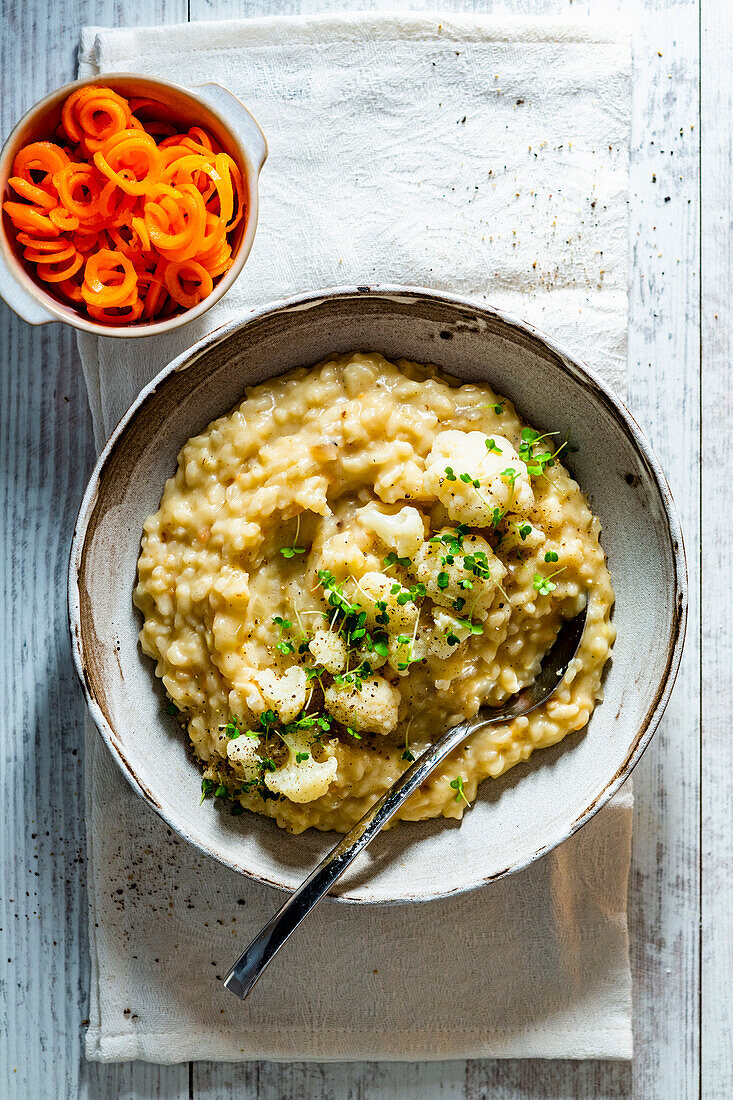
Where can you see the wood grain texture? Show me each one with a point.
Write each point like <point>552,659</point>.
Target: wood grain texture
<point>717,607</point>
<point>46,453</point>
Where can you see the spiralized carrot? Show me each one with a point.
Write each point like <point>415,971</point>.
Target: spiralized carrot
<point>123,216</point>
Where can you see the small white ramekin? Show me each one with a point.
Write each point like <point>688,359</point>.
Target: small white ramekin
<point>206,105</point>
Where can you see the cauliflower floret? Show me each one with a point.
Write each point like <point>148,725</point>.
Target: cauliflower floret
<point>372,707</point>
<point>329,650</point>
<point>471,577</point>
<point>402,612</point>
<point>302,778</point>
<point>402,531</point>
<point>446,627</point>
<point>485,458</point>
<point>286,693</point>
<point>242,755</point>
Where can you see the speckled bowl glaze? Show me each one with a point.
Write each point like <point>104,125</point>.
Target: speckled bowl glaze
<point>534,806</point>
<point>207,105</point>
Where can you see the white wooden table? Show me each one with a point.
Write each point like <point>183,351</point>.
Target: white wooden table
<point>680,352</point>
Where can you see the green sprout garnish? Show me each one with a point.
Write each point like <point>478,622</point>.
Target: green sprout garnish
<point>291,551</point>
<point>545,585</point>
<point>474,628</point>
<point>457,785</point>
<point>392,559</point>
<point>537,463</point>
<point>551,556</point>
<point>491,447</point>
<point>301,756</point>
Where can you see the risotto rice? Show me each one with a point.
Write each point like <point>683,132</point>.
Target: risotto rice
<point>348,563</point>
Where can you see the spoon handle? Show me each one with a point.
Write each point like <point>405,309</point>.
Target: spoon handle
<point>263,948</point>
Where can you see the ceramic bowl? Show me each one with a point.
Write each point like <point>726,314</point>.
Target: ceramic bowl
<point>207,105</point>
<point>534,806</point>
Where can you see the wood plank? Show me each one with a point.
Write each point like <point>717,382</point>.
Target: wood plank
<point>336,1081</point>
<point>46,453</point>
<point>717,614</point>
<point>664,392</point>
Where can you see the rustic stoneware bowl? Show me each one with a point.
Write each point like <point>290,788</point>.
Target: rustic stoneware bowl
<point>532,808</point>
<point>207,105</point>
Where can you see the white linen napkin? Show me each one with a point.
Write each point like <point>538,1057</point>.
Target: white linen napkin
<point>482,156</point>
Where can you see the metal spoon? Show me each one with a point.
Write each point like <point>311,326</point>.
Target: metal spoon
<point>251,963</point>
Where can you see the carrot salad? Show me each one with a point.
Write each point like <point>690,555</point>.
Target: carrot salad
<point>128,220</point>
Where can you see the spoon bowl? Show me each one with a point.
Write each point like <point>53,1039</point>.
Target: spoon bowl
<point>261,951</point>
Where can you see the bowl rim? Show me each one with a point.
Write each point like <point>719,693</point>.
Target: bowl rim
<point>613,404</point>
<point>134,331</point>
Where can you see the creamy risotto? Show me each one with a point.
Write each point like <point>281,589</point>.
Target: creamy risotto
<point>353,560</point>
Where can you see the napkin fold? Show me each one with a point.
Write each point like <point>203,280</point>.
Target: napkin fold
<point>484,156</point>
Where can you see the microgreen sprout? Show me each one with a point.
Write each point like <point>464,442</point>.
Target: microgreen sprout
<point>537,463</point>
<point>474,628</point>
<point>301,756</point>
<point>291,551</point>
<point>457,785</point>
<point>392,559</point>
<point>492,447</point>
<point>414,593</point>
<point>231,729</point>
<point>551,556</point>
<point>405,639</point>
<point>467,479</point>
<point>545,585</point>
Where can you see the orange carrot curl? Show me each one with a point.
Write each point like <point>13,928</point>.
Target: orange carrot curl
<point>125,219</point>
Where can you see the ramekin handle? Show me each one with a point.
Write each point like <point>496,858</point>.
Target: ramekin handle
<point>239,118</point>
<point>20,300</point>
